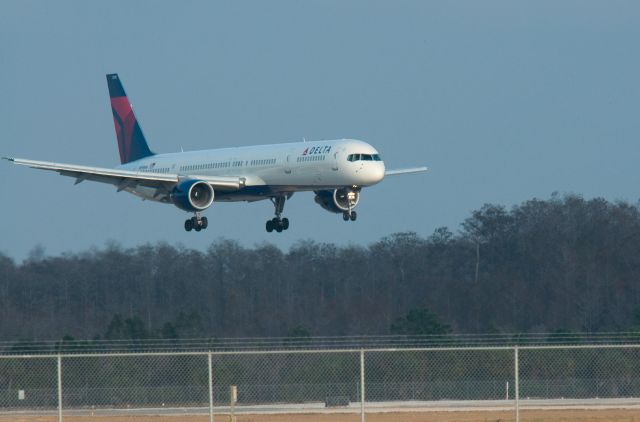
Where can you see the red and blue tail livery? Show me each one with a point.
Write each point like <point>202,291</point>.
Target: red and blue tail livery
<point>131,143</point>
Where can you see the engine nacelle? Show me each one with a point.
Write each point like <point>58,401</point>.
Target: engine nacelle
<point>338,200</point>
<point>192,195</point>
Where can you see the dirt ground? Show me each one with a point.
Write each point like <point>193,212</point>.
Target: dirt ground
<point>525,416</point>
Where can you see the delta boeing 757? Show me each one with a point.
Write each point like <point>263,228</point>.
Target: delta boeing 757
<point>336,171</point>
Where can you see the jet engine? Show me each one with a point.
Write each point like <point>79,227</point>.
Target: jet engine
<point>341,200</point>
<point>192,195</point>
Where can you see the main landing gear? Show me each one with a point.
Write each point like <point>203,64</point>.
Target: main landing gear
<point>349,215</point>
<point>277,223</point>
<point>196,223</point>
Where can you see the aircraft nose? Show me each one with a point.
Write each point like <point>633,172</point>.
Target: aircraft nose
<point>375,173</point>
<point>379,172</point>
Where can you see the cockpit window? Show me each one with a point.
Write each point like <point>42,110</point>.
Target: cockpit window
<point>363,157</point>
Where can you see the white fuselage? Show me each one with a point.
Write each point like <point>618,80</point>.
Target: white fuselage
<point>268,170</point>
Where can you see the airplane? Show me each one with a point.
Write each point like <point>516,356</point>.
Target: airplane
<point>335,170</point>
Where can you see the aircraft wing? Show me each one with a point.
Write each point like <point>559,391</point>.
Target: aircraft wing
<point>406,171</point>
<point>124,179</point>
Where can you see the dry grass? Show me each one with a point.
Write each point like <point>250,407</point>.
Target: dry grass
<point>525,416</point>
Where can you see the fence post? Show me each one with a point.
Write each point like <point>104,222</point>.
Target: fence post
<point>210,388</point>
<point>59,388</point>
<point>362,395</point>
<point>517,382</point>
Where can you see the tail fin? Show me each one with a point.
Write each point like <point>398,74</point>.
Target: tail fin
<point>131,143</point>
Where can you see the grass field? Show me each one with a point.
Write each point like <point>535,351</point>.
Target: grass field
<point>457,416</point>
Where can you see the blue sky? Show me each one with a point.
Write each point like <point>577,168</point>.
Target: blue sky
<point>503,100</point>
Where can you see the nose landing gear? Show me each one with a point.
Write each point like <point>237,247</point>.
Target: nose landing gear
<point>346,199</point>
<point>196,223</point>
<point>349,215</point>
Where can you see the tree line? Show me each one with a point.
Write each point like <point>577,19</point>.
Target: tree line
<point>558,264</point>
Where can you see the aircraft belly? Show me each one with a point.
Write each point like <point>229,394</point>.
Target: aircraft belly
<point>307,179</point>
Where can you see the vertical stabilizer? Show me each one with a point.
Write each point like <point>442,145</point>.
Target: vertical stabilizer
<point>131,143</point>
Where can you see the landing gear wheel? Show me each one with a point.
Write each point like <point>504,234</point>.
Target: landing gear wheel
<point>345,216</point>
<point>353,216</point>
<point>196,223</point>
<point>278,223</point>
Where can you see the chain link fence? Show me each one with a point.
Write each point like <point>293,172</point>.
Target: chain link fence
<point>135,381</point>
<point>438,375</point>
<point>340,383</point>
<point>28,384</point>
<point>287,378</point>
<point>580,373</point>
